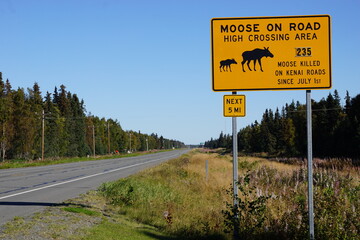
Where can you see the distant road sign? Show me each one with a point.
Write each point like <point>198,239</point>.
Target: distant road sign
<point>271,53</point>
<point>234,105</point>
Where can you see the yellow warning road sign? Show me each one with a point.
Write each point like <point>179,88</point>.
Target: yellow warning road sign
<point>234,105</point>
<point>271,53</point>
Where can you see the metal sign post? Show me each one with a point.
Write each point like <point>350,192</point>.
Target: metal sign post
<point>310,165</point>
<point>235,167</point>
<point>234,106</point>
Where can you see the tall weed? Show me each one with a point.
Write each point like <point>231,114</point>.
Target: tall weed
<point>174,197</point>
<point>247,217</point>
<point>179,199</point>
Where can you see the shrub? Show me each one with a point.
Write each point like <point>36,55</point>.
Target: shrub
<point>247,217</point>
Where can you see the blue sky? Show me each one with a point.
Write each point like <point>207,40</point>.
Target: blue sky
<point>147,63</point>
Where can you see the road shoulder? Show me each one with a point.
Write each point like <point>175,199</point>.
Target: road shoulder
<point>68,220</point>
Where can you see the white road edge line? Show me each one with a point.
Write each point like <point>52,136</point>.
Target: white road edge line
<point>77,179</point>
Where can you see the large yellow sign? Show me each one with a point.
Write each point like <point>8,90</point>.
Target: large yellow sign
<point>271,53</point>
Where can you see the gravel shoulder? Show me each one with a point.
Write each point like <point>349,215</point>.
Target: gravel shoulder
<point>69,220</point>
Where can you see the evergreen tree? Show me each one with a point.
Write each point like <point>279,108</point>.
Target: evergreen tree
<point>23,135</point>
<point>77,127</point>
<point>287,138</point>
<point>68,132</point>
<point>255,138</point>
<point>299,120</point>
<point>35,119</point>
<point>54,128</point>
<point>354,116</point>
<point>118,136</point>
<point>6,126</point>
<point>336,130</point>
<point>267,139</point>
<point>221,141</point>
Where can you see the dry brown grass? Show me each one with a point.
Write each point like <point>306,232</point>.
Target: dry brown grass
<point>286,168</point>
<point>219,169</point>
<point>196,201</point>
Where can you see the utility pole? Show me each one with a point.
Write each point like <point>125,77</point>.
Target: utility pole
<point>43,135</point>
<point>147,144</point>
<point>3,142</point>
<point>93,127</point>
<point>130,142</point>
<point>108,128</point>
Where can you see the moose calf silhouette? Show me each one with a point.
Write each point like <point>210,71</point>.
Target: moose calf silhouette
<point>225,64</point>
<point>255,55</point>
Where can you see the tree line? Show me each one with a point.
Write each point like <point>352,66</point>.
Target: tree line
<point>335,129</point>
<point>60,121</point>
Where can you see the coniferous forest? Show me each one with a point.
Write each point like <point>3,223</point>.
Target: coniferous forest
<point>60,120</point>
<point>282,133</point>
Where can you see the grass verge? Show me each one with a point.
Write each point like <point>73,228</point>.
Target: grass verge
<point>178,199</point>
<point>121,228</point>
<point>20,163</point>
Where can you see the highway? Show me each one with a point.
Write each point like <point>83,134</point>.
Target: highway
<point>24,191</point>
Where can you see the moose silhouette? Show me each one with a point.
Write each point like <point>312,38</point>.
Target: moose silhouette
<point>226,64</point>
<point>255,55</point>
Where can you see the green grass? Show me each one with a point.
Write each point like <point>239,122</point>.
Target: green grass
<point>175,187</point>
<point>123,229</point>
<point>19,163</point>
<point>81,210</point>
<point>11,226</point>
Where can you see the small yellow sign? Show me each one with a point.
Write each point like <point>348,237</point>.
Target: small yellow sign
<point>271,53</point>
<point>234,105</point>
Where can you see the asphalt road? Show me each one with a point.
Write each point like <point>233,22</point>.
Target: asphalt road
<point>24,191</point>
